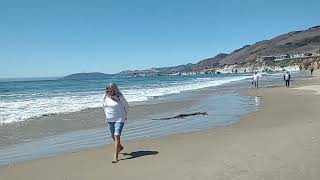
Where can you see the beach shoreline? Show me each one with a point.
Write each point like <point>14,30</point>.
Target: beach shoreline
<point>279,141</point>
<point>206,100</point>
<point>92,118</point>
<point>65,120</point>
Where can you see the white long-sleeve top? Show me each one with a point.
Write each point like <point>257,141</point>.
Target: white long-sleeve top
<point>115,110</point>
<point>256,77</point>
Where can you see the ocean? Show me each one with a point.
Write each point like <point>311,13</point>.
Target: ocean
<point>20,100</point>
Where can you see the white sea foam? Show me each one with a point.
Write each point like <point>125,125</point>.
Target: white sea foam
<point>21,109</point>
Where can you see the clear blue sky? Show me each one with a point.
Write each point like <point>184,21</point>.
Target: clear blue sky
<point>58,37</point>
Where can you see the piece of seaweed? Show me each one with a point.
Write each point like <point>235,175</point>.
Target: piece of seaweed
<point>183,116</point>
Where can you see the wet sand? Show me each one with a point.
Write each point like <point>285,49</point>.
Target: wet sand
<point>279,141</point>
<point>54,124</point>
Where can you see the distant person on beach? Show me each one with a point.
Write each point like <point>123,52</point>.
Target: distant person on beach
<point>287,78</point>
<point>256,79</point>
<point>311,70</point>
<point>116,109</point>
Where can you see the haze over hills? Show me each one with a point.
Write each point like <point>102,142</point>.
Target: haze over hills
<point>304,41</point>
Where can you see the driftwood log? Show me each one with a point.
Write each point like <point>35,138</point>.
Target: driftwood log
<point>183,115</point>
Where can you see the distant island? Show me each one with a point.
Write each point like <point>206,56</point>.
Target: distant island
<point>80,76</point>
<point>297,50</point>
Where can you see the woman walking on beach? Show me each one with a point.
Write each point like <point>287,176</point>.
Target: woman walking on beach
<point>116,110</point>
<point>256,78</point>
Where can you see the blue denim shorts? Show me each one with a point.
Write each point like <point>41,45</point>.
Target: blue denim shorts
<point>116,128</point>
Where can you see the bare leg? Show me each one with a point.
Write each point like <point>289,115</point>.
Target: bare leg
<point>256,85</point>
<point>116,148</point>
<point>121,147</point>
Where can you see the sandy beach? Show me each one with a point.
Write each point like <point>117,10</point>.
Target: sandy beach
<point>279,141</point>
<point>160,90</point>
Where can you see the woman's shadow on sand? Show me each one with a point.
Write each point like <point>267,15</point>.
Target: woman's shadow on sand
<point>137,154</point>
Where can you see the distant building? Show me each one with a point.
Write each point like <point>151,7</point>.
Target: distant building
<point>280,57</point>
<point>308,54</point>
<point>296,55</point>
<point>265,58</point>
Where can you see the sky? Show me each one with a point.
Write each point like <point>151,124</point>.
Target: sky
<point>44,38</point>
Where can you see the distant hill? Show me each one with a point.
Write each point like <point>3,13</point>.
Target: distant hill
<point>83,76</point>
<point>304,41</point>
<point>179,68</point>
<point>293,42</point>
<point>139,72</point>
<point>158,71</point>
<point>210,62</point>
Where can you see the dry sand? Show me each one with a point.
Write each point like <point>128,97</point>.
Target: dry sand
<point>279,141</point>
<point>315,88</point>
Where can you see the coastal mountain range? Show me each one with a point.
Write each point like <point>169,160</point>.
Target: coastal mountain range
<point>304,41</point>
